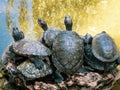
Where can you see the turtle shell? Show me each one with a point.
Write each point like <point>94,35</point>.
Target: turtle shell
<point>96,64</point>
<point>29,70</point>
<point>68,52</point>
<point>49,36</point>
<point>29,47</point>
<point>104,48</point>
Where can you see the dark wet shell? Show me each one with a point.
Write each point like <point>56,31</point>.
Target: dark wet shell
<point>104,48</point>
<point>49,36</point>
<point>29,70</point>
<point>96,64</point>
<point>29,47</point>
<point>68,52</point>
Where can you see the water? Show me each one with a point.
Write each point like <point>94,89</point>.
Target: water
<point>5,37</point>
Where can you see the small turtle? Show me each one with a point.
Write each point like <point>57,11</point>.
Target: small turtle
<point>8,54</point>
<point>30,72</point>
<point>102,53</point>
<point>34,50</point>
<point>68,50</point>
<point>29,49</point>
<point>49,33</point>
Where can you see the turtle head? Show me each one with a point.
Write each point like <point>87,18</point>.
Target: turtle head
<point>15,34</point>
<point>88,39</point>
<point>42,24</point>
<point>21,35</point>
<point>68,23</point>
<point>103,32</point>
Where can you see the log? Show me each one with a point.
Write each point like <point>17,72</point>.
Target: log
<point>77,81</point>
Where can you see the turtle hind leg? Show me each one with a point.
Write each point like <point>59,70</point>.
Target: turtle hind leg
<point>57,77</point>
<point>38,62</point>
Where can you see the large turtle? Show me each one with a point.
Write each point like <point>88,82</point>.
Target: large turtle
<point>102,53</point>
<point>49,33</point>
<point>68,50</point>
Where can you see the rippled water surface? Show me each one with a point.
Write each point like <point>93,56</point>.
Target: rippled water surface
<point>89,16</point>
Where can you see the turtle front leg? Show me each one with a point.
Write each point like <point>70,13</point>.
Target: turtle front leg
<point>38,62</point>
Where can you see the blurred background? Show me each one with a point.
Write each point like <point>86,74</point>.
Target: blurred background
<point>89,16</point>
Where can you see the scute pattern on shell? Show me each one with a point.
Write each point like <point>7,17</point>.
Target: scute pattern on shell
<point>104,48</point>
<point>68,52</point>
<point>28,47</point>
<point>29,70</point>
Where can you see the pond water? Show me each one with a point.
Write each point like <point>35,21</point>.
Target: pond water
<point>5,37</point>
<point>89,16</point>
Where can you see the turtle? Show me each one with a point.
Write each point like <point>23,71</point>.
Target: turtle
<point>26,49</point>
<point>67,50</point>
<point>8,55</point>
<point>34,50</point>
<point>27,71</point>
<point>30,71</point>
<point>49,33</point>
<point>101,53</point>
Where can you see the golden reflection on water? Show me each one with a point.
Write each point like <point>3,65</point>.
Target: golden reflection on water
<point>89,16</point>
